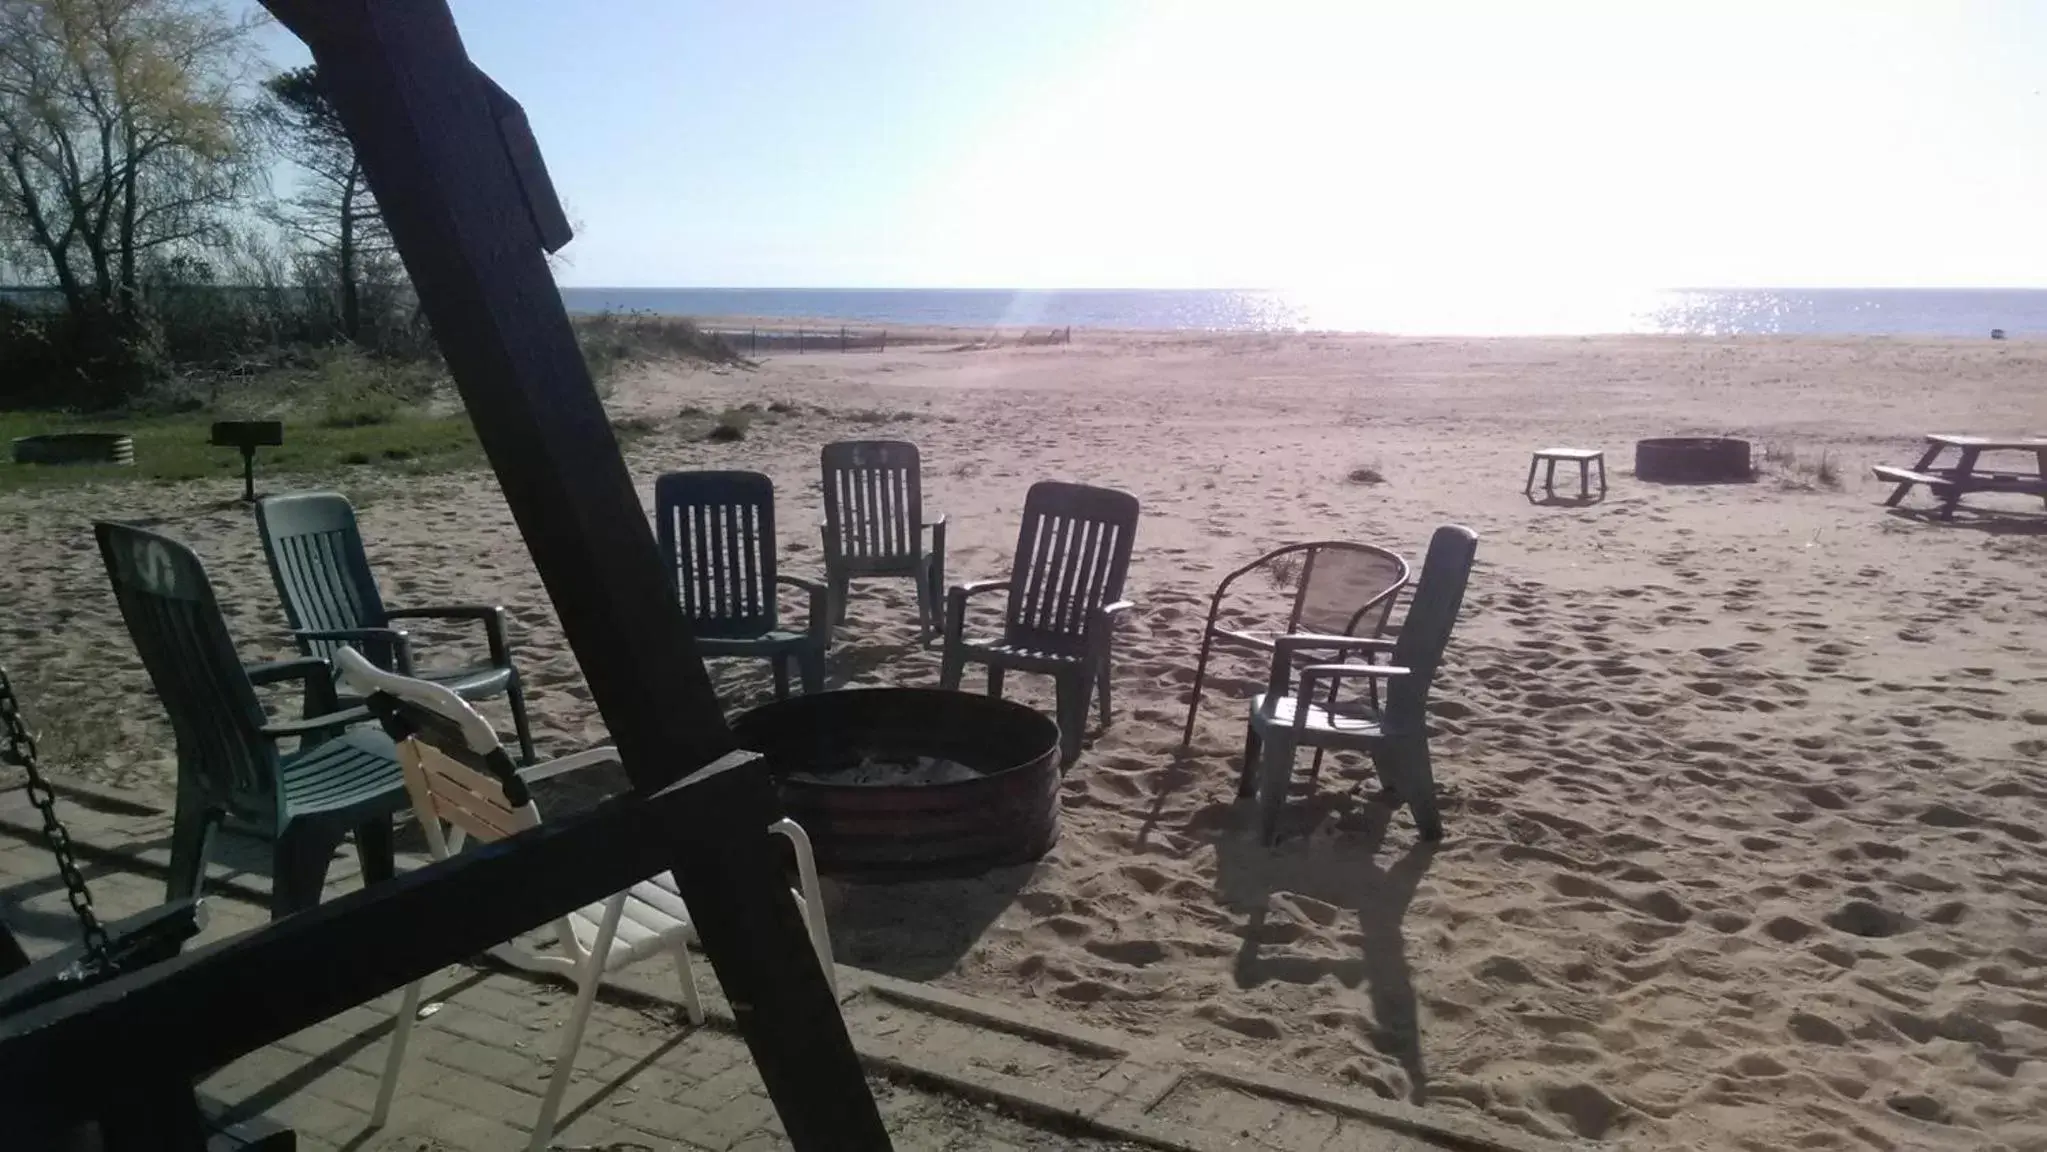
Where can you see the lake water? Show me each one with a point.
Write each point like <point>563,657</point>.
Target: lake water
<point>1476,312</point>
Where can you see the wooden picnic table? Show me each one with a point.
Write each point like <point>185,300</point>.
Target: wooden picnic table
<point>1950,484</point>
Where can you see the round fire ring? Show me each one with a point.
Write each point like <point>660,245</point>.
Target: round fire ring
<point>908,783</point>
<point>75,448</point>
<point>1692,459</point>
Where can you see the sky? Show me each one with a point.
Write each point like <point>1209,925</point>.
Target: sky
<point>1346,146</point>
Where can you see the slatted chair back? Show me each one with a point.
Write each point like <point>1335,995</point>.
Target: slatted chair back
<point>317,561</point>
<point>455,794</point>
<point>176,623</point>
<point>1425,633</point>
<point>717,536</point>
<point>873,506</point>
<point>1072,556</point>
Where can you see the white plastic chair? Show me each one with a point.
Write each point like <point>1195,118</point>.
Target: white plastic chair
<point>455,802</point>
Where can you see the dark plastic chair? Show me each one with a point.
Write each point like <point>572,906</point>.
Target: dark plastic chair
<point>1338,589</point>
<point>1065,596</point>
<point>337,780</point>
<point>331,599</point>
<point>874,524</point>
<point>1395,734</point>
<point>717,536</point>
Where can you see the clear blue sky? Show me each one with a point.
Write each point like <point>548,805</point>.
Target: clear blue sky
<point>1324,146</point>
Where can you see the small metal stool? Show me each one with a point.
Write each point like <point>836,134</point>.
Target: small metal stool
<point>1585,459</point>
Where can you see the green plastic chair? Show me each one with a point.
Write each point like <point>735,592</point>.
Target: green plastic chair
<point>717,537</point>
<point>874,524</point>
<point>331,599</point>
<point>336,780</point>
<point>1065,597</point>
<point>1396,733</point>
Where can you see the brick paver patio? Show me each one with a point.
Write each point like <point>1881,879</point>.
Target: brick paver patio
<point>949,1071</point>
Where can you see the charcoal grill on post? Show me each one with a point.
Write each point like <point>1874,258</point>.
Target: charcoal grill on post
<point>470,206</point>
<point>247,436</point>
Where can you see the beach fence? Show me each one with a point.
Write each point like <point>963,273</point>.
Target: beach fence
<point>762,339</point>
<point>754,340</point>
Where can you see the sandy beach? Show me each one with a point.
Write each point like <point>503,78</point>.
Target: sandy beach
<point>1745,786</point>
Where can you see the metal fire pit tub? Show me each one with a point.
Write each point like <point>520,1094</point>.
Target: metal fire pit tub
<point>906,783</point>
<point>1692,459</point>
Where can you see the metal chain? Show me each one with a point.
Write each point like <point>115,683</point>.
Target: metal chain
<point>21,750</point>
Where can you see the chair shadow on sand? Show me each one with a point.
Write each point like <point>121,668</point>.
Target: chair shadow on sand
<point>1560,500</point>
<point>1346,872</point>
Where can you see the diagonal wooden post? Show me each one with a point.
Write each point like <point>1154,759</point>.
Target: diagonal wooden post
<point>462,187</point>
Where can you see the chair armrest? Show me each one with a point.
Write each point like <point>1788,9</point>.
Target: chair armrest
<point>810,586</point>
<point>492,616</point>
<point>972,588</point>
<point>449,612</point>
<point>1314,641</point>
<point>576,761</point>
<point>1314,673</point>
<point>1286,648</point>
<point>818,620</point>
<point>314,725</point>
<point>392,643</point>
<point>276,671</point>
<point>937,525</point>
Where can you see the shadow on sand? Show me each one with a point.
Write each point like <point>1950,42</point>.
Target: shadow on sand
<point>1991,521</point>
<point>919,929</point>
<point>1346,872</point>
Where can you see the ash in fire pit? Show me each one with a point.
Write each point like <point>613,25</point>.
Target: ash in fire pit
<point>901,783</point>
<point>892,771</point>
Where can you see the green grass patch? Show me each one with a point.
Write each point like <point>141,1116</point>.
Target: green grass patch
<point>172,449</point>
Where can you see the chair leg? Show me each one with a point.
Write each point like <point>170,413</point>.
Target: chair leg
<point>1549,478</point>
<point>1528,489</point>
<point>1275,771</point>
<point>1419,776</point>
<point>952,666</point>
<point>692,1006</point>
<point>781,667</point>
<point>298,866</point>
<point>1102,690</point>
<point>995,672</point>
<point>516,696</point>
<point>810,663</point>
<point>191,837</point>
<point>401,1035</point>
<point>931,598</point>
<point>838,588</point>
<point>375,850</point>
<point>1584,479</point>
<point>1247,777</point>
<point>1194,699</point>
<point>1072,697</point>
<point>587,980</point>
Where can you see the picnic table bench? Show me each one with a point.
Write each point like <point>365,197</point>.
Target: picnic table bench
<point>1950,484</point>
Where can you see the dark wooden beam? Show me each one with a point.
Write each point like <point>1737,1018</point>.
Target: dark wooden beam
<point>469,205</point>
<point>180,1019</point>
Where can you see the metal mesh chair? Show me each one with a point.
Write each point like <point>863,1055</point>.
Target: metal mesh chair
<point>1328,588</point>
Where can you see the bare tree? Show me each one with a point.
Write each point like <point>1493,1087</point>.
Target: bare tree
<point>122,138</point>
<point>332,208</point>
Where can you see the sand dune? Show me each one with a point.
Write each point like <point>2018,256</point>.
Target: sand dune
<point>1744,784</point>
